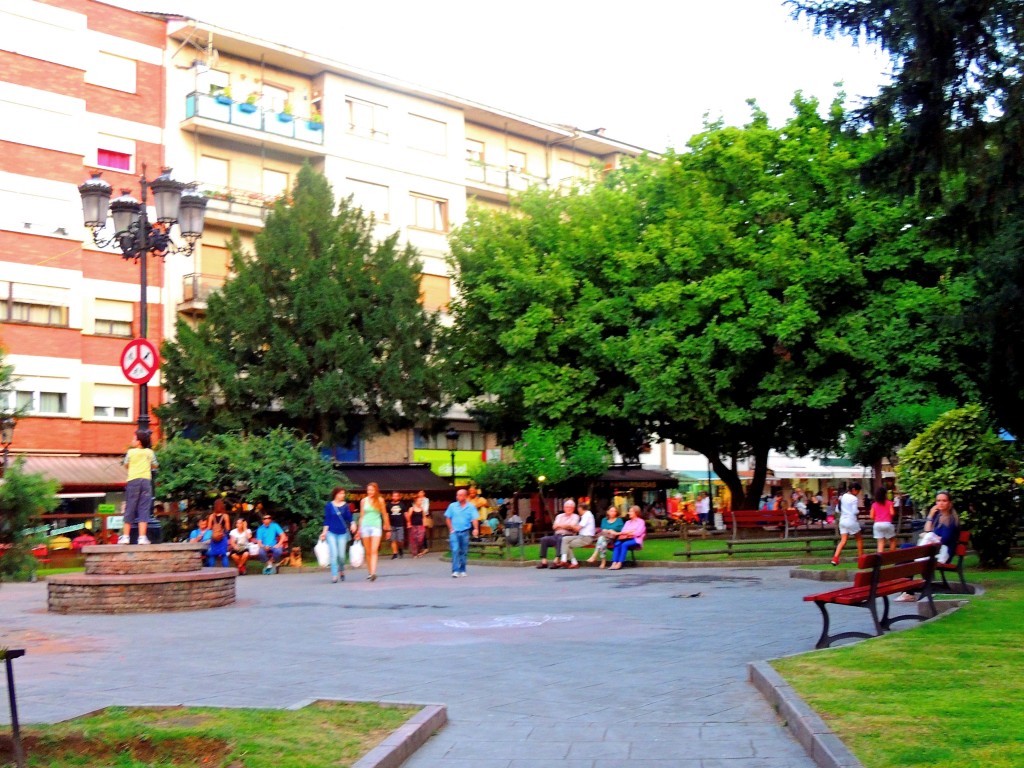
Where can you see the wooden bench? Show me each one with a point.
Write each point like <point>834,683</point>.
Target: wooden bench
<point>956,565</point>
<point>905,570</point>
<point>798,546</point>
<point>631,560</point>
<point>763,519</point>
<point>484,548</point>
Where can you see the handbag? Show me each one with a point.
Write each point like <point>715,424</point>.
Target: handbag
<point>254,549</point>
<point>356,555</point>
<point>323,553</point>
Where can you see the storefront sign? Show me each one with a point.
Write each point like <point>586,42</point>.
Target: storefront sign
<point>466,462</point>
<point>106,509</point>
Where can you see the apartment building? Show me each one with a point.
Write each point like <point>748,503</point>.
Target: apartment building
<point>91,86</point>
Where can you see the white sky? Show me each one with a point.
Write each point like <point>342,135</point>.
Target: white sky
<point>645,70</point>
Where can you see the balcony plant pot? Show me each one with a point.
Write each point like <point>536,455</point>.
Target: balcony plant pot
<point>284,117</point>
<point>220,98</point>
<point>315,125</point>
<point>247,107</point>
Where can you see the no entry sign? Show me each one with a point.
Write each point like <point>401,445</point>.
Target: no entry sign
<point>139,361</point>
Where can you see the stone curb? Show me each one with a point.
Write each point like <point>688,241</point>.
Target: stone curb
<point>781,562</point>
<point>838,574</point>
<point>821,745</point>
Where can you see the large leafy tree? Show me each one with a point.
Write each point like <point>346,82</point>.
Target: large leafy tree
<point>319,329</point>
<point>955,105</point>
<point>735,298</point>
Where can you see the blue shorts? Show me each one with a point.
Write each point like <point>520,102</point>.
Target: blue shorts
<point>138,500</point>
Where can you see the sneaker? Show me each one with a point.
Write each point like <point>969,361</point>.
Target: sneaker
<point>834,561</point>
<point>122,539</point>
<point>573,565</point>
<point>462,574</point>
<point>143,540</point>
<point>341,576</point>
<point>334,579</point>
<point>455,575</point>
<point>543,565</point>
<point>394,557</point>
<point>268,570</point>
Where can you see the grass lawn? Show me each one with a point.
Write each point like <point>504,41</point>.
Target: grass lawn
<point>937,694</point>
<point>324,733</point>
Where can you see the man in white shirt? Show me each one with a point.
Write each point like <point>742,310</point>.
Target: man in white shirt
<point>848,524</point>
<point>703,507</point>
<point>566,524</point>
<point>584,537</point>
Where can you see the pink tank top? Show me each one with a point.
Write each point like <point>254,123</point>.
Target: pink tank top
<point>882,512</point>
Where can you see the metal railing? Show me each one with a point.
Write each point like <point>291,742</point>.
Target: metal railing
<point>198,287</point>
<point>501,176</point>
<point>245,115</point>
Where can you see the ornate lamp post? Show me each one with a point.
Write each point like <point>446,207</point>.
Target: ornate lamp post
<point>6,438</point>
<point>452,436</point>
<point>137,237</point>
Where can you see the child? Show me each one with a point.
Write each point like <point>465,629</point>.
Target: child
<point>882,513</point>
<point>138,491</point>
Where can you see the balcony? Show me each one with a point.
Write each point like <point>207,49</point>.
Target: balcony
<point>496,182</point>
<point>248,123</point>
<point>196,290</point>
<point>236,208</point>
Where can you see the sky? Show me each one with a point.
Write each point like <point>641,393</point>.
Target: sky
<point>647,71</point>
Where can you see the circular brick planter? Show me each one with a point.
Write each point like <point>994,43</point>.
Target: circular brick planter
<point>134,579</point>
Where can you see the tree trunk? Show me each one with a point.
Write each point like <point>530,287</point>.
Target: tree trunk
<point>760,456</point>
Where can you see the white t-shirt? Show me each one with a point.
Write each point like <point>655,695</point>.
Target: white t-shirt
<point>587,524</point>
<point>239,539</point>
<point>848,506</point>
<point>704,506</point>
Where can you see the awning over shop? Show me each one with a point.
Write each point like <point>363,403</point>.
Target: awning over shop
<point>637,477</point>
<point>694,477</point>
<point>80,474</point>
<point>407,478</point>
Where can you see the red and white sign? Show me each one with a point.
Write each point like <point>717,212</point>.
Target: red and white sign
<point>139,361</point>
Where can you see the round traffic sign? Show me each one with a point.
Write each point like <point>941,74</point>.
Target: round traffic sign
<point>139,361</point>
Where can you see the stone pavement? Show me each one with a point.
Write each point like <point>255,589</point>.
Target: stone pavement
<point>583,669</point>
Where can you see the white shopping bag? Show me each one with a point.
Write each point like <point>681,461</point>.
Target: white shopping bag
<point>323,553</point>
<point>356,555</point>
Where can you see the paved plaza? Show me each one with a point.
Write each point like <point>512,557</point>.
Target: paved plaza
<point>580,669</point>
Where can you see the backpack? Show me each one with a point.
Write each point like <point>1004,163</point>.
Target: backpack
<point>218,529</point>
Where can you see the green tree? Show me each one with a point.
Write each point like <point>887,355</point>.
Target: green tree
<point>956,124</point>
<point>961,453</point>
<point>320,329</point>
<point>735,298</point>
<point>23,498</point>
<point>279,470</point>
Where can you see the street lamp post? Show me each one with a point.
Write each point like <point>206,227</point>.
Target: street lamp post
<point>137,238</point>
<point>452,436</point>
<point>6,438</point>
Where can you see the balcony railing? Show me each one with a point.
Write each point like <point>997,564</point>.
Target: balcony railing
<point>250,116</point>
<point>500,176</point>
<point>237,202</point>
<point>196,290</point>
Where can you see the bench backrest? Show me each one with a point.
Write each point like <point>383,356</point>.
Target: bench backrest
<point>879,568</point>
<point>961,544</point>
<point>752,517</point>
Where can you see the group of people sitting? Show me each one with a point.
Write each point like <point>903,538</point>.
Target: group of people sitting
<point>268,543</point>
<point>580,530</point>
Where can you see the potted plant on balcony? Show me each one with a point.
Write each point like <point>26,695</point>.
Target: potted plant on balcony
<point>315,122</point>
<point>285,115</point>
<point>249,105</point>
<point>224,96</point>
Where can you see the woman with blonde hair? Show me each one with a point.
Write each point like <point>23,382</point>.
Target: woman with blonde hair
<point>373,525</point>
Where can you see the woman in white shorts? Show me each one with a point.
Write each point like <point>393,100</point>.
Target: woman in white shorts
<point>848,525</point>
<point>882,513</point>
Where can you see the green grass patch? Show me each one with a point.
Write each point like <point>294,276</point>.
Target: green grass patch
<point>44,572</point>
<point>938,694</point>
<point>324,733</point>
<point>665,549</point>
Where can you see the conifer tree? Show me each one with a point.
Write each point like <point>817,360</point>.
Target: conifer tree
<point>319,329</point>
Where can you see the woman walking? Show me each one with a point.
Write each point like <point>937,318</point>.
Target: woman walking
<point>882,514</point>
<point>338,524</point>
<point>373,525</point>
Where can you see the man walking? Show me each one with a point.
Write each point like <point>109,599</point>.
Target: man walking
<point>566,524</point>
<point>461,517</point>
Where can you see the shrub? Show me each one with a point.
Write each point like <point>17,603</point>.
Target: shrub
<point>23,497</point>
<point>961,453</point>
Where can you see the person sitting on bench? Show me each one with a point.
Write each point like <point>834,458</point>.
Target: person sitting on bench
<point>631,537</point>
<point>566,524</point>
<point>270,536</point>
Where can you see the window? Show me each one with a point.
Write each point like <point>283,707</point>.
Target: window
<point>214,172</point>
<point>516,161</point>
<point>41,403</point>
<point>274,98</point>
<point>428,135</point>
<point>435,292</point>
<point>36,304</point>
<point>474,151</point>
<point>430,213</point>
<point>111,401</point>
<point>112,71</point>
<point>468,441</point>
<point>114,318</point>
<point>115,152</point>
<point>212,81</point>
<point>570,173</point>
<point>275,183</point>
<point>374,199</point>
<point>367,119</point>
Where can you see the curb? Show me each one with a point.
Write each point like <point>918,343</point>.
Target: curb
<point>817,739</point>
<point>839,574</point>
